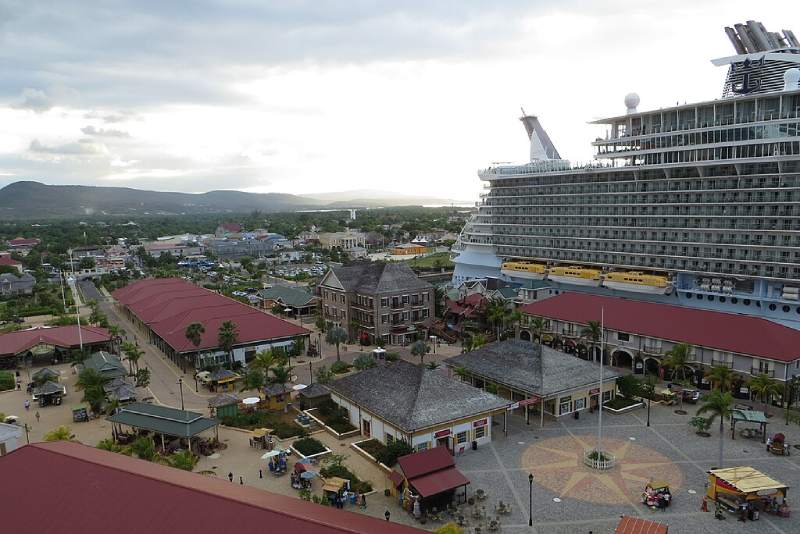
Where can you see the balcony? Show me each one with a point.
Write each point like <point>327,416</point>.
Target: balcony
<point>652,349</point>
<point>722,363</point>
<point>755,371</point>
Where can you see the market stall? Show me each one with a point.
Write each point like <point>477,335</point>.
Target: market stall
<point>747,491</point>
<point>753,417</point>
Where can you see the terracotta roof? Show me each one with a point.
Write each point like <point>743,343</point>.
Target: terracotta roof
<point>422,463</point>
<point>169,305</point>
<point>97,488</point>
<point>439,482</point>
<point>6,259</point>
<point>742,334</point>
<point>23,242</point>
<point>467,305</point>
<point>636,525</point>
<point>60,336</point>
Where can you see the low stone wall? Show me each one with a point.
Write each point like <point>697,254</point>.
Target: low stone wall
<point>331,431</point>
<point>623,410</point>
<point>385,468</point>
<point>316,455</point>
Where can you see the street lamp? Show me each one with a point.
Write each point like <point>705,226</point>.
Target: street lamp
<point>196,389</point>
<point>180,384</point>
<point>433,342</point>
<point>530,500</point>
<point>319,345</point>
<point>310,374</point>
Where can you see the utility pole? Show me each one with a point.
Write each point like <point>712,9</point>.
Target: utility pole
<point>180,385</point>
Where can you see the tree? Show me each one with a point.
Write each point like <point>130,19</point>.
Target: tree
<point>324,375</point>
<point>678,360</point>
<point>450,528</point>
<point>538,325</point>
<point>496,313</point>
<point>419,348</point>
<point>281,374</point>
<point>592,332</point>
<point>720,376</point>
<point>474,342</point>
<point>264,361</point>
<point>91,383</point>
<point>253,379</point>
<point>336,336</point>
<point>143,377</point>
<point>515,318</point>
<point>194,333</point>
<point>132,353</point>
<point>116,336</point>
<point>61,433</point>
<point>700,425</point>
<point>765,388</point>
<point>433,365</point>
<point>462,373</point>
<point>629,386</point>
<point>144,447</point>
<point>227,337</point>
<point>717,405</point>
<point>182,460</point>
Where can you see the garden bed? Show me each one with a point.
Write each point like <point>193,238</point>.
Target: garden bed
<point>309,447</point>
<point>621,405</point>
<point>342,471</point>
<point>283,424</point>
<point>335,417</point>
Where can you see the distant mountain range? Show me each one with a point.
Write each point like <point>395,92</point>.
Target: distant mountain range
<point>34,200</point>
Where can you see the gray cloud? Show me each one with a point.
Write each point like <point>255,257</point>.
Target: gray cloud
<point>82,147</point>
<point>103,132</point>
<point>33,99</point>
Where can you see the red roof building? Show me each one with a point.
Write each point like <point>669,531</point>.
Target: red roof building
<point>62,337</point>
<point>431,473</point>
<point>92,491</point>
<point>647,330</point>
<point>21,242</point>
<point>166,306</point>
<point>8,261</point>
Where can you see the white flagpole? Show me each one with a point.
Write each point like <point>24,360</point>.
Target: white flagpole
<point>600,394</point>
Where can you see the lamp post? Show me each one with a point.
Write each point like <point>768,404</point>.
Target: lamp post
<point>650,388</point>
<point>180,385</point>
<point>319,345</point>
<point>530,500</point>
<point>196,389</point>
<point>310,374</point>
<point>433,342</point>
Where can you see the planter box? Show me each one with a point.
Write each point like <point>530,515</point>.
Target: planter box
<point>368,456</point>
<point>316,455</point>
<point>623,410</point>
<point>349,434</point>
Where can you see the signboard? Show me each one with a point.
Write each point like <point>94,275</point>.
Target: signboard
<point>594,391</point>
<point>442,433</point>
<point>512,406</point>
<point>481,422</point>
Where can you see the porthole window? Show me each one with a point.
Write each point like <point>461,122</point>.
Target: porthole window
<point>758,304</point>
<point>747,302</point>
<point>734,300</point>
<point>786,309</point>
<point>699,297</point>
<point>772,307</point>
<point>688,295</point>
<point>711,298</point>
<point>722,299</point>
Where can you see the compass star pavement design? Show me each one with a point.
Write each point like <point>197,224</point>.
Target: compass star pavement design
<point>558,465</point>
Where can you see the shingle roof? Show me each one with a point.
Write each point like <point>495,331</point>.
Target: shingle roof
<point>411,397</point>
<point>106,364</point>
<point>45,372</point>
<point>222,374</point>
<point>272,390</point>
<point>97,489</point>
<point>314,391</point>
<point>290,296</point>
<point>163,419</point>
<point>48,388</point>
<point>169,305</point>
<point>520,365</point>
<point>223,399</point>
<point>743,334</point>
<point>379,278</point>
<point>60,336</point>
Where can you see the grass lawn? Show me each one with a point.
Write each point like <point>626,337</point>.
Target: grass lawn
<point>433,261</point>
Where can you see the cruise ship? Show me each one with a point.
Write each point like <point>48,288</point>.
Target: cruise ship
<point>696,204</point>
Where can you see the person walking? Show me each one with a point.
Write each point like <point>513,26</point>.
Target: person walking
<point>37,416</point>
<point>363,501</point>
<point>27,405</point>
<point>230,477</point>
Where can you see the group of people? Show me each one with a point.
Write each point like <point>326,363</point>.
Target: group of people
<point>342,497</point>
<point>277,465</point>
<point>659,498</point>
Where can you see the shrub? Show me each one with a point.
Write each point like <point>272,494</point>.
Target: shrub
<point>340,367</point>
<point>393,451</point>
<point>391,356</point>
<point>628,386</point>
<point>365,361</point>
<point>342,471</point>
<point>308,446</point>
<point>335,416</point>
<point>618,403</point>
<point>6,380</point>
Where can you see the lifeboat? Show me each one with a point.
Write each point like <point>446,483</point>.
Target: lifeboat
<point>582,276</point>
<point>637,282</point>
<point>524,269</point>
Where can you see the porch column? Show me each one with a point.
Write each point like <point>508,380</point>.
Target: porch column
<point>505,423</point>
<point>541,413</point>
<point>527,416</point>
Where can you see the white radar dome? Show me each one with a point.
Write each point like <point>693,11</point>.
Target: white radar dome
<point>631,101</point>
<point>791,79</point>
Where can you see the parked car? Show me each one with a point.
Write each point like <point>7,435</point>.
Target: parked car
<point>691,396</point>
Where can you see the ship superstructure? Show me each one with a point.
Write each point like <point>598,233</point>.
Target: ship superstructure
<point>696,203</point>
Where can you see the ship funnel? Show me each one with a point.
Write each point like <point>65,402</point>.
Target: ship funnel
<point>541,146</point>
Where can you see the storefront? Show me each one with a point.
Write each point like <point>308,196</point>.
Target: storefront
<point>746,491</point>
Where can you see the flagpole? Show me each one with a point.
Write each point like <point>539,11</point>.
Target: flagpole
<point>600,394</point>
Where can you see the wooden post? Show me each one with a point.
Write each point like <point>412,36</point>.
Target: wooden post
<point>541,413</point>
<point>163,448</point>
<point>505,423</point>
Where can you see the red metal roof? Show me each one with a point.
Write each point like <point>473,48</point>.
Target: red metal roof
<point>467,305</point>
<point>422,463</point>
<point>91,491</point>
<point>169,305</point>
<point>636,525</point>
<point>23,242</point>
<point>6,259</point>
<point>439,481</point>
<point>60,336</point>
<point>731,332</point>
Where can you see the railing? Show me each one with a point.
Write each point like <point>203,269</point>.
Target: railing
<point>722,363</point>
<point>755,371</point>
<point>602,461</point>
<point>652,349</point>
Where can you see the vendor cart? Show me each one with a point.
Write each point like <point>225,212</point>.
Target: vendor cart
<point>747,491</point>
<point>777,445</point>
<point>656,494</point>
<point>261,438</point>
<point>80,413</point>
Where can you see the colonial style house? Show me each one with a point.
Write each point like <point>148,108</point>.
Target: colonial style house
<point>381,301</point>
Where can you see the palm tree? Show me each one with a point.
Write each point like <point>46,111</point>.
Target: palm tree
<point>281,374</point>
<point>116,336</point>
<point>718,405</point>
<point>91,383</point>
<point>592,332</point>
<point>336,336</point>
<point>765,388</point>
<point>433,365</point>
<point>678,359</point>
<point>537,325</point>
<point>264,361</point>
<point>132,354</point>
<point>194,333</point>
<point>61,433</point>
<point>227,337</point>
<point>419,348</point>
<point>496,313</point>
<point>515,318</point>
<point>462,373</point>
<point>721,376</point>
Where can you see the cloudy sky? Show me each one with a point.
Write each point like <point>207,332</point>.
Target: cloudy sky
<point>311,96</point>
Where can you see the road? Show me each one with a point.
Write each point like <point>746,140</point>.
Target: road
<point>89,291</point>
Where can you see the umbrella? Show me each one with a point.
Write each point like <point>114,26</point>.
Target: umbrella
<point>308,475</point>
<point>304,461</point>
<point>251,400</point>
<point>270,454</point>
<point>298,387</point>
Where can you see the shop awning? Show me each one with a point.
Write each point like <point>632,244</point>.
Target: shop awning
<point>334,484</point>
<point>439,482</point>
<point>637,525</point>
<point>749,416</point>
<point>747,479</point>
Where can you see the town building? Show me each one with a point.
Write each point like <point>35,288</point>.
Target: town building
<point>107,365</point>
<point>96,490</point>
<point>16,284</point>
<point>297,299</point>
<point>8,261</point>
<point>379,301</point>
<point>342,240</point>
<point>420,406</point>
<point>176,248</point>
<point>228,229</point>
<point>163,308</point>
<point>23,245</point>
<point>638,335</point>
<point>433,476</point>
<point>49,342</point>
<point>409,249</point>
<point>535,376</point>
<point>234,249</point>
<point>10,436</point>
